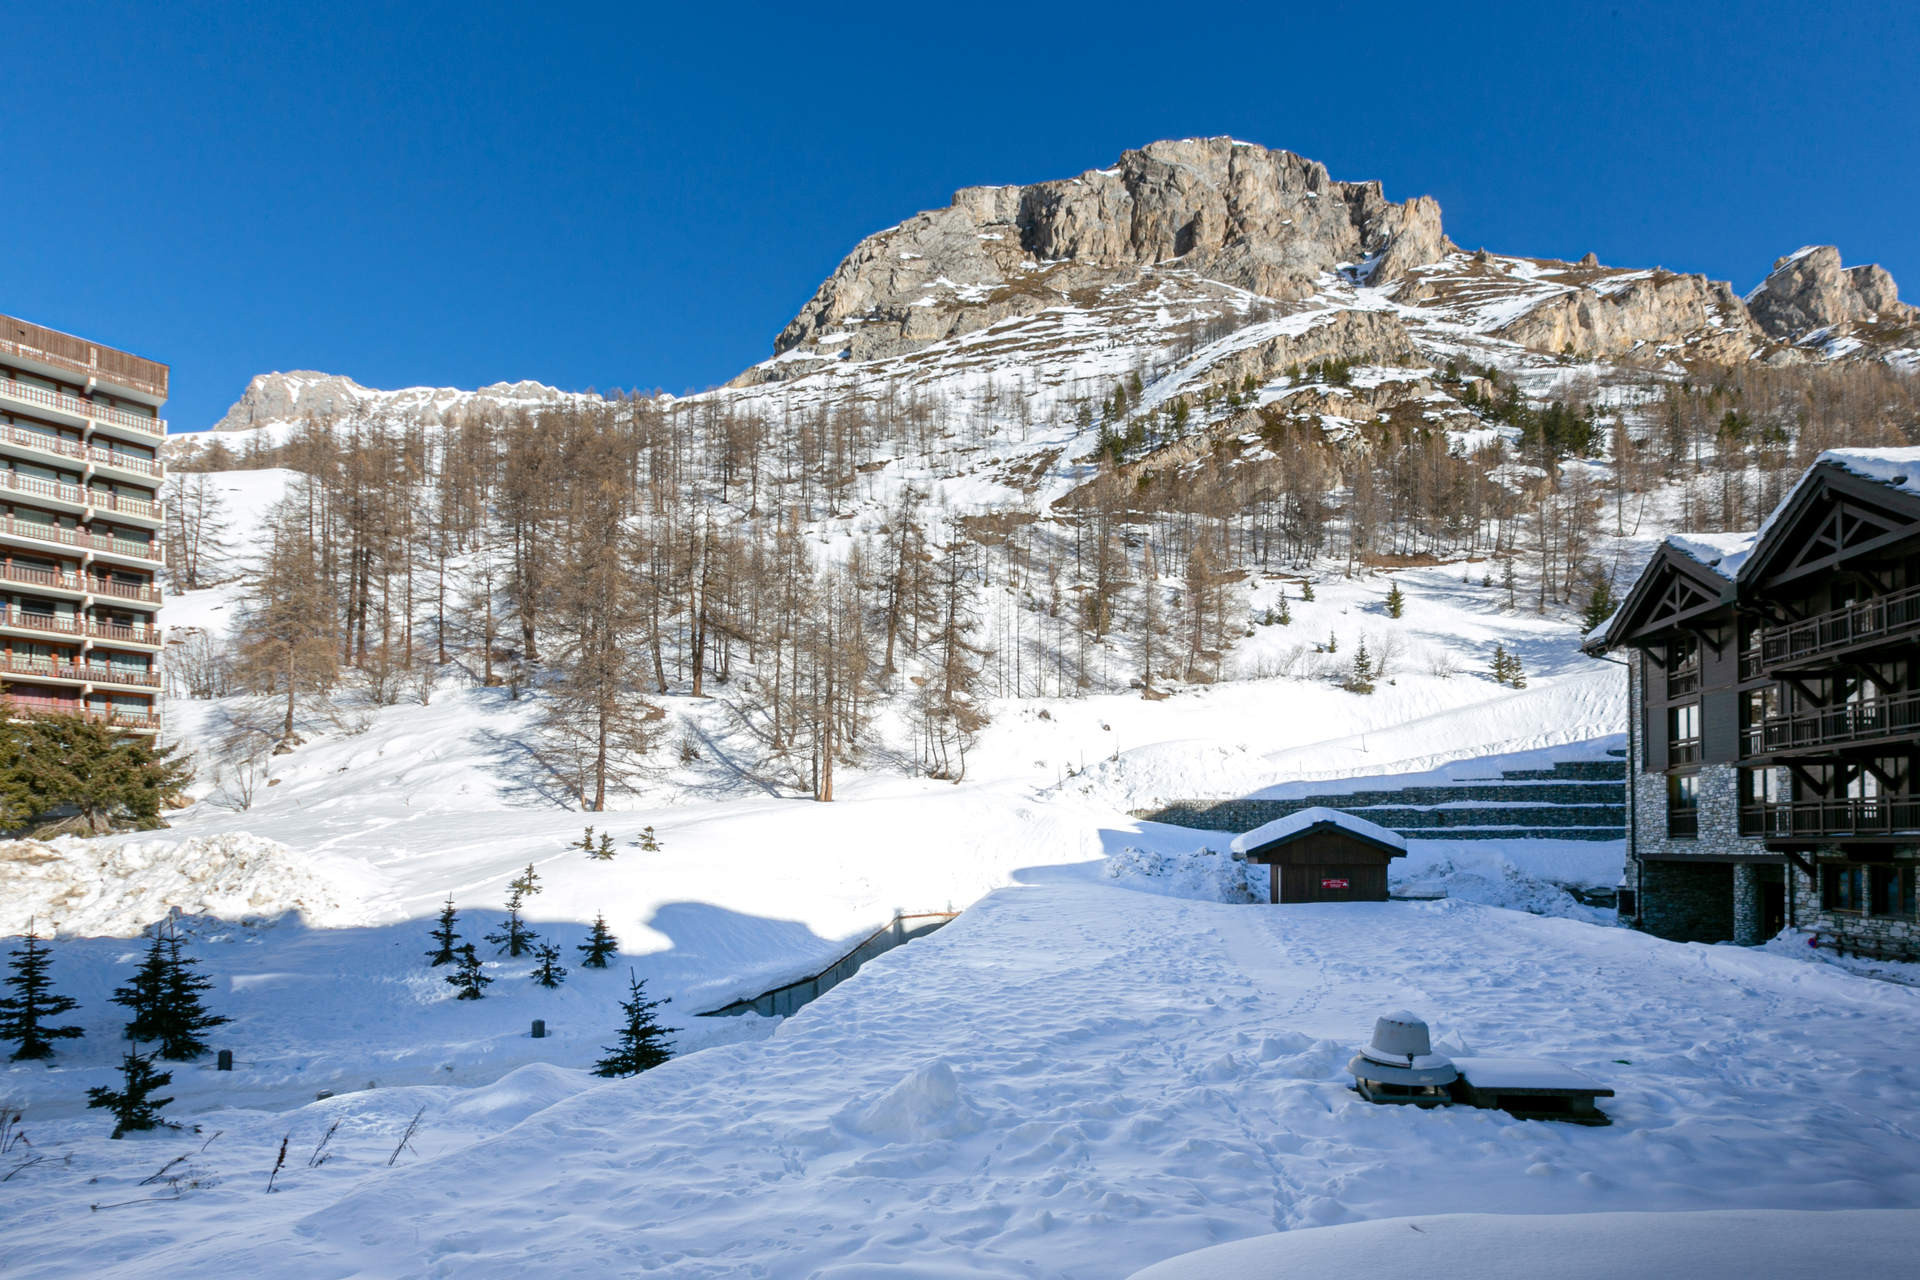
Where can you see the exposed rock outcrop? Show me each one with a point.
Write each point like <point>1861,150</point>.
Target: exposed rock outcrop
<point>303,393</point>
<point>1267,221</point>
<point>1809,290</point>
<point>1640,310</point>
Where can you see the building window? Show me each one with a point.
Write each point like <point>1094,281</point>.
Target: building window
<point>1683,667</point>
<point>1683,734</point>
<point>1683,806</point>
<point>1843,888</point>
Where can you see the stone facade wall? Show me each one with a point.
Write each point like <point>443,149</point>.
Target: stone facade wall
<point>1884,935</point>
<point>1687,901</point>
<point>1704,898</point>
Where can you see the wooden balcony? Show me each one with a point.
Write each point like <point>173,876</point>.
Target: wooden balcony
<point>61,535</point>
<point>1869,722</point>
<point>1683,751</point>
<point>1847,819</point>
<point>1888,619</point>
<point>76,672</point>
<point>31,487</point>
<point>76,627</point>
<point>74,406</point>
<point>84,584</point>
<point>1682,681</point>
<point>17,705</point>
<point>25,341</point>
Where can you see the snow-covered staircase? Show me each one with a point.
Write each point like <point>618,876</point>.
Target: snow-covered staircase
<point>1571,800</point>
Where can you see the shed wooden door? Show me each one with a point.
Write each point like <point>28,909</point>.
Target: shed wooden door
<point>1309,883</point>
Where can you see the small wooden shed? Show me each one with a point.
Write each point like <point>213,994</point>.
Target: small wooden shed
<point>1323,855</point>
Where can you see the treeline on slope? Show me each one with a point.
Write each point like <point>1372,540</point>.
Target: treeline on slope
<point>608,553</point>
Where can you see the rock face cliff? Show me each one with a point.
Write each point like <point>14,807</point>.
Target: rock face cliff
<point>1809,290</point>
<point>1267,221</point>
<point>304,393</point>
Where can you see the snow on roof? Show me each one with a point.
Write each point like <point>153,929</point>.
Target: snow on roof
<point>1895,468</point>
<point>1294,824</point>
<point>1899,468</point>
<point>1723,553</point>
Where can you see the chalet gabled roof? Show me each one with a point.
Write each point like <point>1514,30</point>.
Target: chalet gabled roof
<point>1688,577</point>
<point>1850,501</point>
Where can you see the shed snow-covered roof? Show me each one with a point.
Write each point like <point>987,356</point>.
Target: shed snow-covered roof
<point>1295,823</point>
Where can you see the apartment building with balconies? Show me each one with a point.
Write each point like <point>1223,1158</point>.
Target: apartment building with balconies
<point>1775,682</point>
<point>80,526</point>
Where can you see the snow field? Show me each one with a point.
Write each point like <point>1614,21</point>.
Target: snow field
<point>1071,1080</point>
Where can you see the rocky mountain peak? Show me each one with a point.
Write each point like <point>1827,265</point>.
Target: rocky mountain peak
<point>1809,290</point>
<point>1270,222</point>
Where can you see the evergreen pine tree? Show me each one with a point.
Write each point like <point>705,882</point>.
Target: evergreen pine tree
<point>549,972</point>
<point>471,981</point>
<point>181,1016</point>
<point>527,883</point>
<point>1306,592</point>
<point>1360,677</point>
<point>584,843</point>
<point>444,937</point>
<point>1600,603</point>
<point>133,1104</point>
<point>1510,581</point>
<point>603,852</point>
<point>599,947</point>
<point>1282,614</point>
<point>1333,643</point>
<point>514,937</point>
<point>649,843</point>
<point>1502,664</point>
<point>1396,603</point>
<point>1516,674</point>
<point>145,991</point>
<point>29,1003</point>
<point>643,1041</point>
<point>113,778</point>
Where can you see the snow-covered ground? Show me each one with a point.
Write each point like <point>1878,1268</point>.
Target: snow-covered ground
<point>1071,1080</point>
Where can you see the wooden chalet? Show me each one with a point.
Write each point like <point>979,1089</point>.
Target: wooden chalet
<point>1775,680</point>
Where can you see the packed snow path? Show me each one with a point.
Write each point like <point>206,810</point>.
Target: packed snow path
<point>1071,1080</point>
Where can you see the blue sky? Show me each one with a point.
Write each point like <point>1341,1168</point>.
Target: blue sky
<point>623,196</point>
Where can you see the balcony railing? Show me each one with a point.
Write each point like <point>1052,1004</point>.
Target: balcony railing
<point>1868,720</point>
<point>47,669</point>
<point>88,359</point>
<point>77,626</point>
<point>1832,819</point>
<point>59,491</point>
<point>1875,619</point>
<point>1683,751</point>
<point>1683,824</point>
<point>68,537</point>
<point>1682,681</point>
<point>20,706</point>
<point>60,400</point>
<point>40,440</point>
<point>59,580</point>
<point>126,461</point>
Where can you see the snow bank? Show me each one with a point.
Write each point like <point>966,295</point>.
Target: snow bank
<point>103,887</point>
<point>1715,1245</point>
<point>1206,875</point>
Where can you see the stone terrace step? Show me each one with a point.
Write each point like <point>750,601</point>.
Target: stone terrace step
<point>1575,800</point>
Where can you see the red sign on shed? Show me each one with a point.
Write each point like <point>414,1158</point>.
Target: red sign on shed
<point>1333,884</point>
